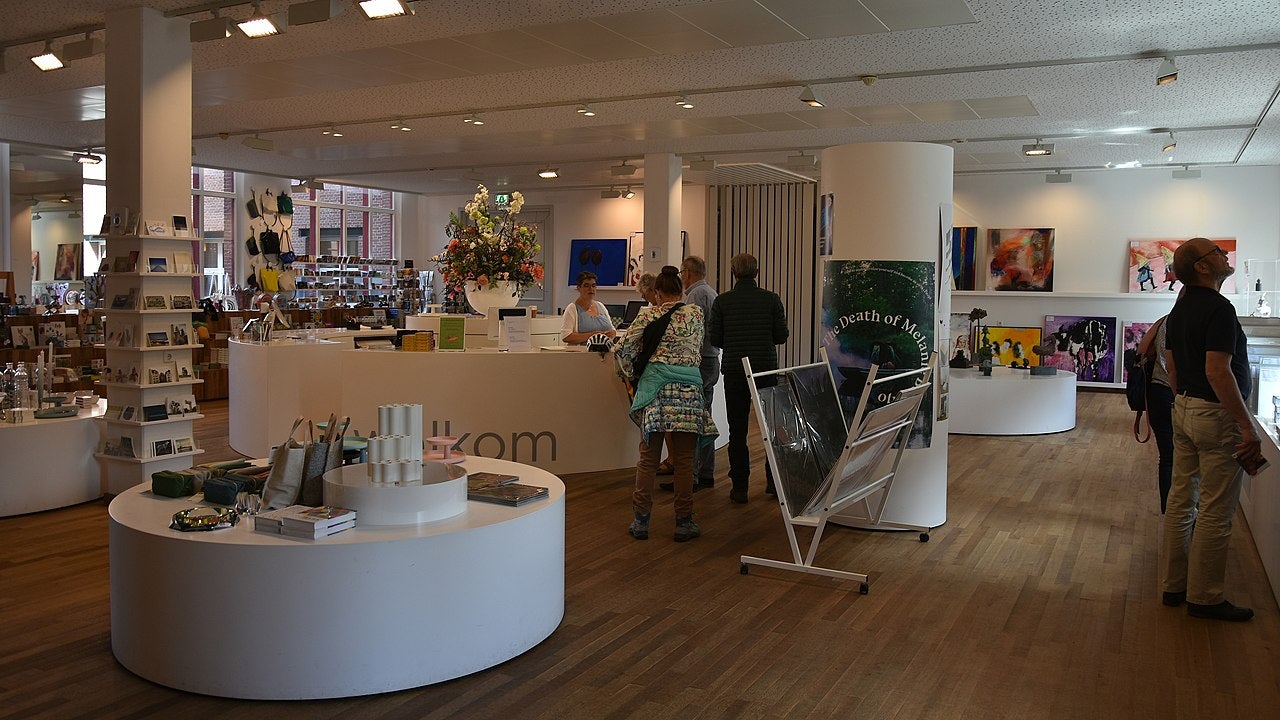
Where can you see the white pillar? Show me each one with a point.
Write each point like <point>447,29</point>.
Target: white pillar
<point>888,197</point>
<point>6,228</point>
<point>662,210</point>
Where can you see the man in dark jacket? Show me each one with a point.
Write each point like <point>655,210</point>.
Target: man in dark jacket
<point>745,322</point>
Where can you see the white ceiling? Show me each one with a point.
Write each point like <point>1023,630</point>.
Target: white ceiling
<point>988,75</point>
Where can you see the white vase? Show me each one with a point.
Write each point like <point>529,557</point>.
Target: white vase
<point>505,295</point>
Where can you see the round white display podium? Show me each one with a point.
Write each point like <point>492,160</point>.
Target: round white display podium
<point>52,463</point>
<point>1012,402</point>
<point>241,614</point>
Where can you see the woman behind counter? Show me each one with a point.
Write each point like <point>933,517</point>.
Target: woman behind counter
<point>585,316</point>
<point>668,402</point>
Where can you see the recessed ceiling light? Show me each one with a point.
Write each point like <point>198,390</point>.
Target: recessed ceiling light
<point>259,25</point>
<point>1168,72</point>
<point>1037,149</point>
<point>549,172</point>
<point>684,102</point>
<point>377,9</point>
<point>473,119</point>
<point>332,131</point>
<point>808,98</point>
<point>46,60</point>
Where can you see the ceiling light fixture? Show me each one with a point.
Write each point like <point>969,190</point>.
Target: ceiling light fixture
<point>378,9</point>
<point>1038,149</point>
<point>46,60</point>
<point>623,170</point>
<point>1168,72</point>
<point>802,161</point>
<point>586,111</point>
<point>259,25</point>
<point>474,119</point>
<point>65,199</point>
<point>1172,145</point>
<point>258,143</point>
<point>808,98</point>
<point>87,157</point>
<point>610,194</point>
<point>215,28</point>
<point>628,194</point>
<point>702,165</point>
<point>684,102</point>
<point>1057,176</point>
<point>314,11</point>
<point>548,173</point>
<point>332,131</point>
<point>1186,173</point>
<point>82,49</point>
<point>35,216</point>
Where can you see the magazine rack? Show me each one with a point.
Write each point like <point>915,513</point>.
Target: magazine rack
<point>823,465</point>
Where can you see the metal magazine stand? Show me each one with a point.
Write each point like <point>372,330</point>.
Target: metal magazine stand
<point>820,464</point>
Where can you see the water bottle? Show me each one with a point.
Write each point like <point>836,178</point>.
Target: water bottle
<point>6,387</point>
<point>21,386</point>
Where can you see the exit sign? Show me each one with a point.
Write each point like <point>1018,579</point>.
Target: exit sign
<point>502,199</point>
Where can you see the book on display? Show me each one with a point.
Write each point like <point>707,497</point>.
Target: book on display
<point>311,519</point>
<point>272,521</point>
<point>478,480</point>
<point>510,494</point>
<point>316,534</point>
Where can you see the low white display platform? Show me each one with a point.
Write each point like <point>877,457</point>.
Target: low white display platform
<point>442,493</point>
<point>240,614</point>
<point>49,463</point>
<point>1011,402</point>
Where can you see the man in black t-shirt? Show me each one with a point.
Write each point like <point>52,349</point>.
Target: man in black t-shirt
<point>1214,435</point>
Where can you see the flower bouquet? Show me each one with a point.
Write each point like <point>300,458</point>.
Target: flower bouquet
<point>488,247</point>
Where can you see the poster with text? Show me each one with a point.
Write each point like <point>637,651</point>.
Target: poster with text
<point>1085,346</point>
<point>1021,259</point>
<point>879,312</point>
<point>1151,265</point>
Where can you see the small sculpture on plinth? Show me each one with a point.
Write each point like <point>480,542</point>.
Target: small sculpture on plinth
<point>1049,347</point>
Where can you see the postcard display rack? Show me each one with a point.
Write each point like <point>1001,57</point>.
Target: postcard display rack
<point>823,465</point>
<point>149,346</point>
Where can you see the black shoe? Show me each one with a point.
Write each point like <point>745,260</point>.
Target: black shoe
<point>1222,611</point>
<point>1174,599</point>
<point>668,486</point>
<point>738,495</point>
<point>705,484</point>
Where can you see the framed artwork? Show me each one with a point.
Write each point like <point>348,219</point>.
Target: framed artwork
<point>1131,334</point>
<point>964,246</point>
<point>163,447</point>
<point>158,264</point>
<point>158,338</point>
<point>184,445</point>
<point>1151,265</point>
<point>1012,345</point>
<point>1020,259</point>
<point>961,337</point>
<point>180,228</point>
<point>180,333</point>
<point>607,258</point>
<point>1084,345</point>
<point>24,336</point>
<point>68,265</point>
<point>35,265</point>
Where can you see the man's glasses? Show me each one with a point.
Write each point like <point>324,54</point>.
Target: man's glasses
<point>1215,249</point>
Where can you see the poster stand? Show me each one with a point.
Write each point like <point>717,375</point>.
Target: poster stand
<point>823,465</point>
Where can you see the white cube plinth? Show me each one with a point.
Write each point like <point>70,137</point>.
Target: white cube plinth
<point>442,494</point>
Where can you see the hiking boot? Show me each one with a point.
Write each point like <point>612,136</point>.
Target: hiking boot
<point>738,495</point>
<point>639,528</point>
<point>686,528</point>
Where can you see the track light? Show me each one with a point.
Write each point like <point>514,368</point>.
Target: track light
<point>808,98</point>
<point>684,102</point>
<point>332,132</point>
<point>702,165</point>
<point>473,119</point>
<point>802,161</point>
<point>87,157</point>
<point>400,125</point>
<point>314,11</point>
<point>1186,173</point>
<point>377,9</point>
<point>623,170</point>
<point>1057,176</point>
<point>82,49</point>
<point>215,28</point>
<point>258,143</point>
<point>46,60</point>
<point>311,184</point>
<point>65,199</point>
<point>610,193</point>
<point>1168,72</point>
<point>1037,149</point>
<point>586,111</point>
<point>35,216</point>
<point>549,173</point>
<point>628,194</point>
<point>1173,144</point>
<point>259,25</point>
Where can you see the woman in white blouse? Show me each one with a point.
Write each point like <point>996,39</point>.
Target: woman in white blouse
<point>586,316</point>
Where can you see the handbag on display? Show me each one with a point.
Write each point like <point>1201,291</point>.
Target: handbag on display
<point>323,455</point>
<point>269,204</point>
<point>288,279</point>
<point>222,490</point>
<point>285,204</point>
<point>284,483</point>
<point>251,245</point>
<point>252,206</point>
<point>269,279</point>
<point>269,242</point>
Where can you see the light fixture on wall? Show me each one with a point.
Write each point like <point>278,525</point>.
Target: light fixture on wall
<point>215,28</point>
<point>378,9</point>
<point>1186,173</point>
<point>623,170</point>
<point>47,60</point>
<point>473,119</point>
<point>1057,176</point>
<point>808,98</point>
<point>1168,72</point>
<point>610,194</point>
<point>628,194</point>
<point>82,49</point>
<point>261,25</point>
<point>258,143</point>
<point>684,102</point>
<point>314,11</point>
<point>586,111</point>
<point>1172,144</point>
<point>548,173</point>
<point>87,157</point>
<point>1038,149</point>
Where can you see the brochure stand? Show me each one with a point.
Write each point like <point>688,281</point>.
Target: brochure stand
<point>822,465</point>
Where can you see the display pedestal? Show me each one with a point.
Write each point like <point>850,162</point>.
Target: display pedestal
<point>1012,402</point>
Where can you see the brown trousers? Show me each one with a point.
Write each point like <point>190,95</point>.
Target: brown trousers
<point>680,451</point>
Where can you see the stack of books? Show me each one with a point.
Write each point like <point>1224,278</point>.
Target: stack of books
<point>302,521</point>
<point>502,489</point>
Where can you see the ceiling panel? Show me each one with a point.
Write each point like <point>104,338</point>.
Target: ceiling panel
<point>948,111</point>
<point>884,115</point>
<point>915,14</point>
<point>775,122</point>
<point>738,22</point>
<point>521,47</point>
<point>826,18</point>
<point>591,40</point>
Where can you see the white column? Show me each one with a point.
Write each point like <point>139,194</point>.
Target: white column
<point>886,207</point>
<point>662,210</point>
<point>6,228</point>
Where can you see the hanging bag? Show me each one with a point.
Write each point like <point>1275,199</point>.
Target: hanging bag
<point>1137,386</point>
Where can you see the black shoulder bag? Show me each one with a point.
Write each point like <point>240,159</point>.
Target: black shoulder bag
<point>650,339</point>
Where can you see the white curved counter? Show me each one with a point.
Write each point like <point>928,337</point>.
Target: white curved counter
<point>241,614</point>
<point>1012,402</point>
<point>49,463</point>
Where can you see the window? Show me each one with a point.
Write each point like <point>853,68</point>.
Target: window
<point>213,214</point>
<point>344,220</point>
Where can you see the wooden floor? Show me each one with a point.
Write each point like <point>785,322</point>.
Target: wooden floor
<point>1037,599</point>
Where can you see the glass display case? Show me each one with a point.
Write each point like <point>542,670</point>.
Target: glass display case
<point>1264,366</point>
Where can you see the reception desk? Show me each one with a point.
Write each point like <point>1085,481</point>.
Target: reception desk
<point>49,463</point>
<point>242,614</point>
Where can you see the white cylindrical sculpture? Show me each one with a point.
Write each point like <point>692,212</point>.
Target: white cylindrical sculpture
<point>889,203</point>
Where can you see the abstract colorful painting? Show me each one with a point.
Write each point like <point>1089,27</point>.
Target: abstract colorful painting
<point>67,265</point>
<point>964,248</point>
<point>1020,259</point>
<point>1151,265</point>
<point>1131,334</point>
<point>1083,345</point>
<point>1012,344</point>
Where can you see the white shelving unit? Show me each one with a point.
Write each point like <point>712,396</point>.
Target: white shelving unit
<point>149,356</point>
<point>348,281</point>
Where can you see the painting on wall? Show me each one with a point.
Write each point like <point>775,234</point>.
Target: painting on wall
<point>35,265</point>
<point>964,246</point>
<point>961,340</point>
<point>1131,333</point>
<point>1012,345</point>
<point>1021,259</point>
<point>1084,345</point>
<point>607,258</point>
<point>68,264</point>
<point>1151,265</point>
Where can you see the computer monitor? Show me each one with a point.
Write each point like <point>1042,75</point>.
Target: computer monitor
<point>633,309</point>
